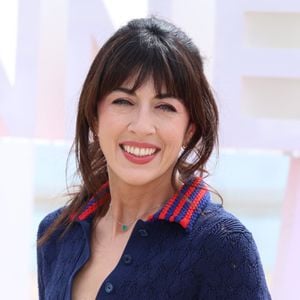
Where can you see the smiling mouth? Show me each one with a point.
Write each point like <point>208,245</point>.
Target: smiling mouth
<point>139,152</point>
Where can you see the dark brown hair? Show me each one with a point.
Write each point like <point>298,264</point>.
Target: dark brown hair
<point>142,49</point>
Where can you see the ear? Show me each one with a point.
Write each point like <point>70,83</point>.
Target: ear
<point>95,127</point>
<point>189,133</point>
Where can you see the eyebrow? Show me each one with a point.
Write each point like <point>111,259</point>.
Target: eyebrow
<point>131,92</point>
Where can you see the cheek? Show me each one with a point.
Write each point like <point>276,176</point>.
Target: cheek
<point>107,121</point>
<point>175,138</point>
<point>177,130</point>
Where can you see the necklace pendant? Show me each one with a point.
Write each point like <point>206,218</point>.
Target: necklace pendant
<point>124,227</point>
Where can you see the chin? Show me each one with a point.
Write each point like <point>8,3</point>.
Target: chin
<point>138,180</point>
<point>136,176</point>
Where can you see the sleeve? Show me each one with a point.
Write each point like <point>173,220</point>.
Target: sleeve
<point>40,263</point>
<point>234,269</point>
<point>43,250</point>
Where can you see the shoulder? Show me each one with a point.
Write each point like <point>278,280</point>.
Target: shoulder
<point>228,254</point>
<point>48,220</point>
<point>222,233</point>
<point>216,222</point>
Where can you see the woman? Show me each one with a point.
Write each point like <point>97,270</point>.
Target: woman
<point>142,225</point>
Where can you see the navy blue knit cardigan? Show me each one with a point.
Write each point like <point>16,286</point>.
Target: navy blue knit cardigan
<point>190,249</point>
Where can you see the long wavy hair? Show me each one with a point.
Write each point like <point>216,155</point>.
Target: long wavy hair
<point>142,49</point>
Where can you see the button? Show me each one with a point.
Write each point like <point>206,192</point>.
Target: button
<point>127,259</point>
<point>143,232</point>
<point>108,287</point>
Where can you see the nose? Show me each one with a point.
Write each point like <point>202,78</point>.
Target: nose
<point>142,122</point>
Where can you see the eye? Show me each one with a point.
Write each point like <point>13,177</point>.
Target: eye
<point>167,107</point>
<point>122,101</point>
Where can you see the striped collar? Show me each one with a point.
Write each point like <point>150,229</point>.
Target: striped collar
<point>183,208</point>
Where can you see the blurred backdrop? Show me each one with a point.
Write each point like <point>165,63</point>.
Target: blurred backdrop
<point>251,50</point>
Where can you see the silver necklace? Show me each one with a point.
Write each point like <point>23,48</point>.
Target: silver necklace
<point>125,227</point>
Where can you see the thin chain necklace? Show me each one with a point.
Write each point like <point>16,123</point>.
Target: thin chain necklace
<point>125,227</point>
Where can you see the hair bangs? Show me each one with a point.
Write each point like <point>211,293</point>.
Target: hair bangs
<point>155,67</point>
<point>139,63</point>
<point>168,72</point>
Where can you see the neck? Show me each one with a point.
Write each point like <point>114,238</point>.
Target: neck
<point>130,203</point>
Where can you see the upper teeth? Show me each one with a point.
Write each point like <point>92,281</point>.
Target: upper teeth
<point>139,151</point>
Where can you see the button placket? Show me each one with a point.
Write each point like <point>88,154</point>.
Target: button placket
<point>127,259</point>
<point>143,232</point>
<point>108,287</point>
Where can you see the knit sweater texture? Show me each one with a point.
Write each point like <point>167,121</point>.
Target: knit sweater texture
<point>190,249</point>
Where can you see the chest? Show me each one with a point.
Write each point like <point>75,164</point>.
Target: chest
<point>156,262</point>
<point>105,255</point>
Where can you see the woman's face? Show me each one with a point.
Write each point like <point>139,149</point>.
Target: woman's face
<point>141,133</point>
